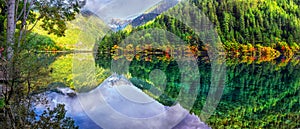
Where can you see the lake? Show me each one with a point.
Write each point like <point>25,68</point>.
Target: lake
<point>256,92</point>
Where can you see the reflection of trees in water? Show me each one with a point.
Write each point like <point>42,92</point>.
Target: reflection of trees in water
<point>29,77</point>
<point>79,71</point>
<point>262,94</point>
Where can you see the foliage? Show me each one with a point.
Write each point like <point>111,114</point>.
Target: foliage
<point>55,13</point>
<point>80,30</point>
<point>65,42</point>
<point>2,16</point>
<point>32,78</point>
<point>38,42</point>
<point>258,23</point>
<point>254,21</point>
<point>1,103</point>
<point>76,32</point>
<point>21,69</point>
<point>63,70</point>
<point>260,37</point>
<point>50,118</point>
<point>54,119</point>
<point>52,13</point>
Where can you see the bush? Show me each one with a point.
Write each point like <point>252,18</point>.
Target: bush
<point>38,42</point>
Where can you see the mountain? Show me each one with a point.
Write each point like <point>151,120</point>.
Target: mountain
<point>117,24</point>
<point>81,33</point>
<point>256,26</point>
<point>153,12</point>
<point>119,9</point>
<point>118,19</point>
<point>144,18</point>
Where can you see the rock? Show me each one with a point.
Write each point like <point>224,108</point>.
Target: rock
<point>71,94</point>
<point>64,91</point>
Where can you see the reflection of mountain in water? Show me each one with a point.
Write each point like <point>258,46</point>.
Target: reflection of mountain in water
<point>117,104</point>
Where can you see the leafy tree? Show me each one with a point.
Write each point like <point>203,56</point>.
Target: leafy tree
<point>21,68</point>
<point>21,14</point>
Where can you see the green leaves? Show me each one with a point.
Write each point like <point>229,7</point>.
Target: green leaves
<point>1,103</point>
<point>55,13</point>
<point>38,42</point>
<point>54,118</point>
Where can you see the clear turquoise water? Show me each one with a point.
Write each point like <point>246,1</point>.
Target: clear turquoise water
<point>255,95</point>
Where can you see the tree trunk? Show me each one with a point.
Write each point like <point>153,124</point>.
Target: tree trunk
<point>10,28</point>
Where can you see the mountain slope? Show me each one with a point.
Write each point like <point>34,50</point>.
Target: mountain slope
<point>255,23</point>
<point>81,33</point>
<point>153,12</point>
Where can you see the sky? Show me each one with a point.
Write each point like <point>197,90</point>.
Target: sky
<point>119,9</point>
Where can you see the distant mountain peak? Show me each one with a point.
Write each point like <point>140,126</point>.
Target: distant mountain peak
<point>87,13</point>
<point>117,19</point>
<point>153,12</point>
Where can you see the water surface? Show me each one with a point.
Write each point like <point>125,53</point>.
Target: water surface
<point>256,94</point>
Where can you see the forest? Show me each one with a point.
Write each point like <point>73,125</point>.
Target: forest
<point>261,42</point>
<point>258,41</point>
<point>243,26</point>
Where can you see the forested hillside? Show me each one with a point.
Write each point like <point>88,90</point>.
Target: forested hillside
<point>254,21</point>
<point>262,25</point>
<point>83,29</point>
<point>263,33</point>
<point>232,63</point>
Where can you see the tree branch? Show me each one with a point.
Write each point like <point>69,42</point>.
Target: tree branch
<point>38,19</point>
<point>16,11</point>
<point>23,23</point>
<point>25,16</point>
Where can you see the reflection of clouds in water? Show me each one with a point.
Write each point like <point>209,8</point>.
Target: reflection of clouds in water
<point>119,9</point>
<point>106,107</point>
